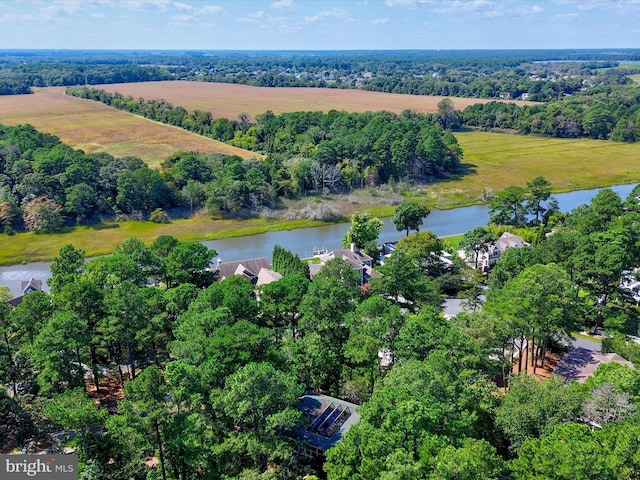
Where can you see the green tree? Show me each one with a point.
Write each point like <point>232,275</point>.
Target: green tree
<point>66,267</point>
<point>74,410</point>
<point>403,280</point>
<point>409,216</point>
<point>42,215</point>
<point>81,201</point>
<point>364,229</point>
<point>532,408</point>
<point>571,451</point>
<point>476,241</point>
<point>541,302</point>
<point>539,192</point>
<point>508,207</point>
<point>187,263</point>
<point>425,250</point>
<point>280,301</point>
<point>146,408</point>
<point>474,460</point>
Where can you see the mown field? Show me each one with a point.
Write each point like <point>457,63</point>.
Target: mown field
<point>94,127</point>
<point>229,100</point>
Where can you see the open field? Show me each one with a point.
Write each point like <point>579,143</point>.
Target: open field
<point>226,100</point>
<point>494,161</point>
<point>94,127</point>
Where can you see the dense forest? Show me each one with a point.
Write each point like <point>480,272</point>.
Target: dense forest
<point>602,113</point>
<point>45,184</point>
<point>161,370</point>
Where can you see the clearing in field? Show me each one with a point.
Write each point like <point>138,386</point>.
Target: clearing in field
<point>225,100</point>
<point>94,127</point>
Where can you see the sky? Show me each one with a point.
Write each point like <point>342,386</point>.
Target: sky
<point>318,24</point>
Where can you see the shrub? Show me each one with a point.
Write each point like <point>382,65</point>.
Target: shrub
<point>159,216</point>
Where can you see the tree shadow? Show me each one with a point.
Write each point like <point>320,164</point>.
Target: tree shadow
<point>103,226</point>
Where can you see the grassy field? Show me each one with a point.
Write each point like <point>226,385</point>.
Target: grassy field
<point>94,127</point>
<point>493,161</point>
<point>229,100</point>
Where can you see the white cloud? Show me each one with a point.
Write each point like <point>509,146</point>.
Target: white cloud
<point>406,3</point>
<point>282,4</point>
<point>380,21</point>
<point>178,19</point>
<point>336,13</point>
<point>252,17</point>
<point>488,8</point>
<point>210,9</point>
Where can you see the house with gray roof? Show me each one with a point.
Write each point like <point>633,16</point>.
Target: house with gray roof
<point>359,261</point>
<point>328,420</point>
<point>258,270</point>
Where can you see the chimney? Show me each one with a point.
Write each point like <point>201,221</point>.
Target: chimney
<point>353,247</point>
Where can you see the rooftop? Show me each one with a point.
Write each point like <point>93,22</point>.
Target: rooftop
<point>329,419</point>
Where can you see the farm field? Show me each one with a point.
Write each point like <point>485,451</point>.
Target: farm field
<point>230,100</point>
<point>94,127</point>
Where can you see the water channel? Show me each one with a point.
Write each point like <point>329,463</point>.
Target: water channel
<point>303,241</point>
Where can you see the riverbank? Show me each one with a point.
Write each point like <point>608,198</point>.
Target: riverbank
<point>303,241</point>
<point>101,239</point>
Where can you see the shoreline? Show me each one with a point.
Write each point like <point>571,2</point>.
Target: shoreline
<point>27,247</point>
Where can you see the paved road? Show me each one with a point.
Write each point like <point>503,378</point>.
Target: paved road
<point>579,342</point>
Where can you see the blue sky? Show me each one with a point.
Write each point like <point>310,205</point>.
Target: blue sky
<point>318,24</point>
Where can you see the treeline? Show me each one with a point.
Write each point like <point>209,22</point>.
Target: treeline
<point>537,83</point>
<point>45,184</point>
<point>19,78</point>
<point>216,367</point>
<point>605,113</point>
<point>543,75</point>
<point>351,149</point>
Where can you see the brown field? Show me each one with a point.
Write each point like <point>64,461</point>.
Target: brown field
<point>94,127</point>
<point>226,100</point>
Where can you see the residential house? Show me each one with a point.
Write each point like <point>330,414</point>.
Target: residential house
<point>258,270</point>
<point>359,261</point>
<point>28,286</point>
<point>328,420</point>
<point>493,250</point>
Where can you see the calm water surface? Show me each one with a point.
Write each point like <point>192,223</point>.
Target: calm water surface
<point>303,241</point>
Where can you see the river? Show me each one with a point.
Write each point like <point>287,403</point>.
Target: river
<point>303,241</point>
